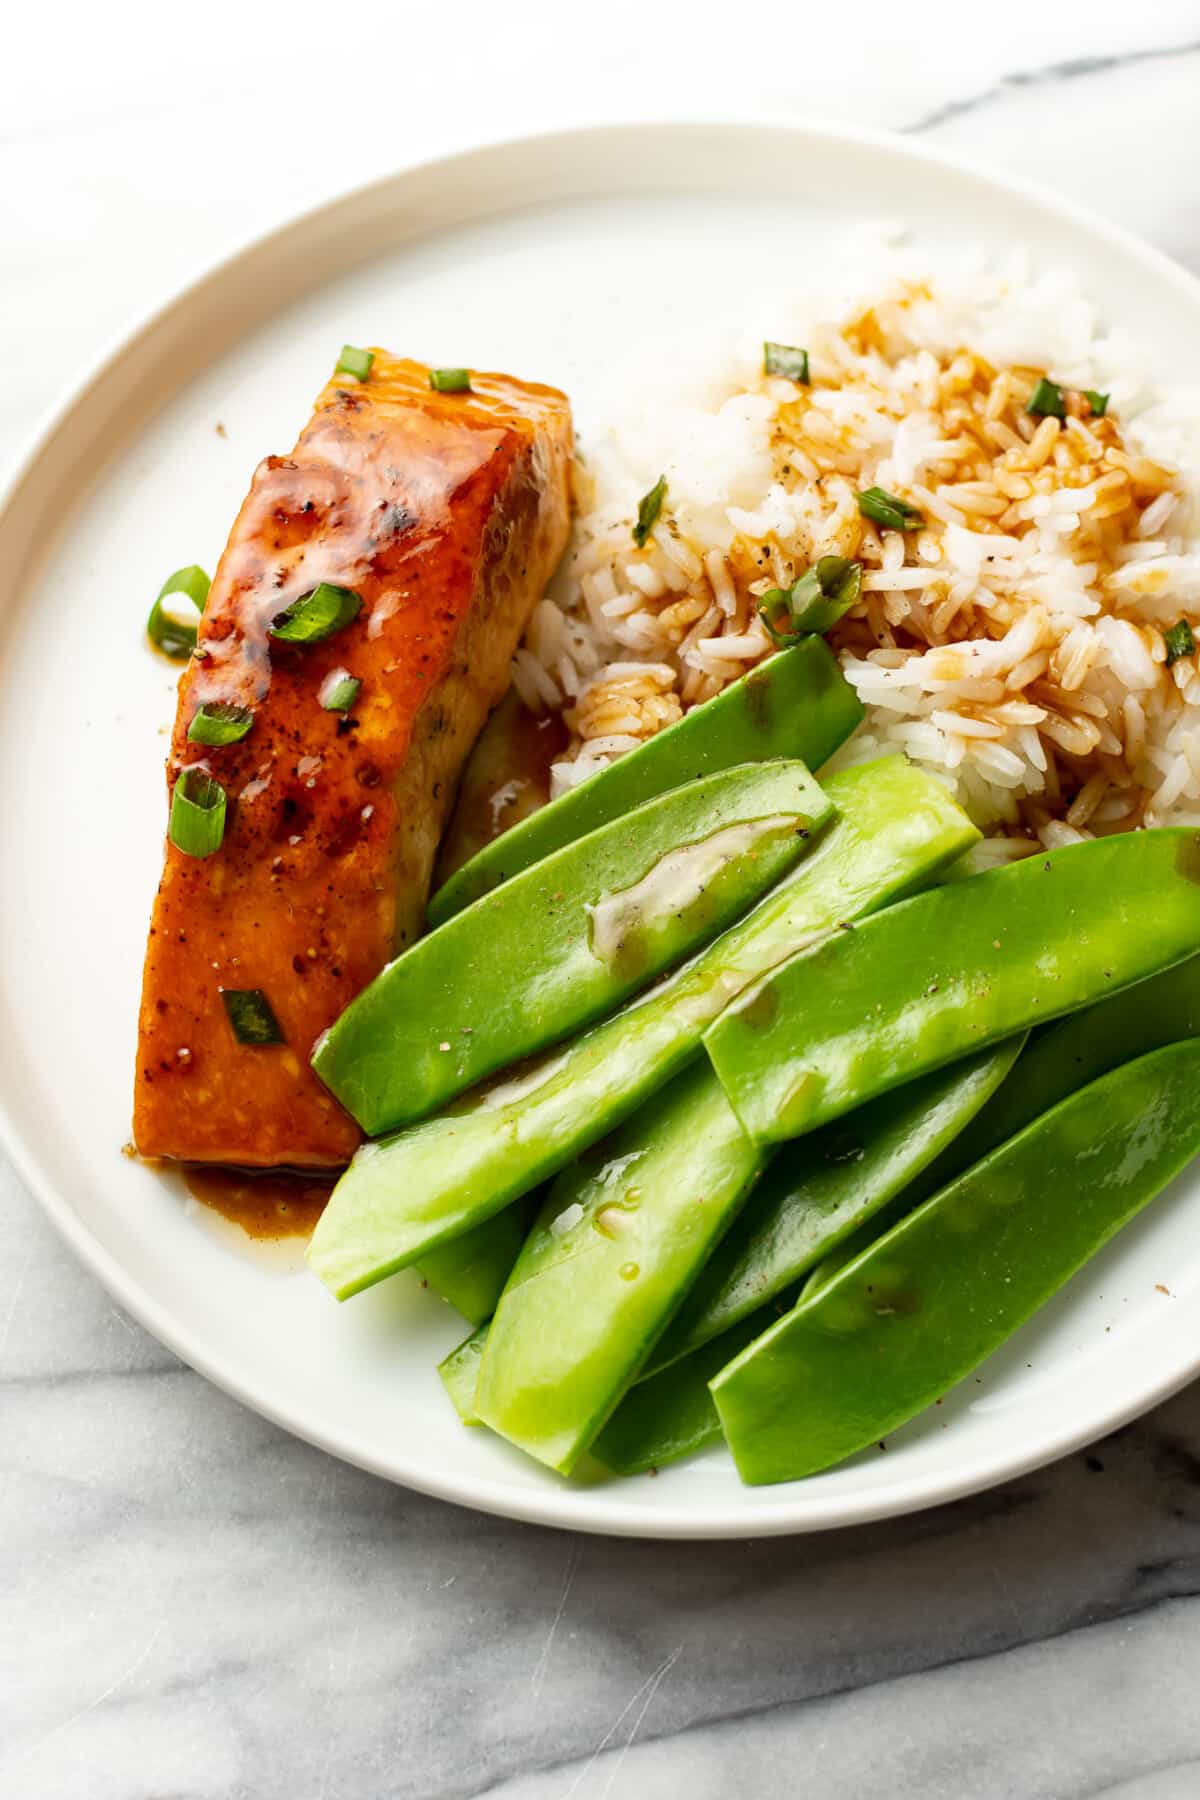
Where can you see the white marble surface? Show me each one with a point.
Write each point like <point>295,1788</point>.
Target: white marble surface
<point>193,1604</point>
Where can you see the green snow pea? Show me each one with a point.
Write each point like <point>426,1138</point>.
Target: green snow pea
<point>1058,1059</point>
<point>816,1191</point>
<point>1069,1053</point>
<point>812,1192</point>
<point>671,1414</point>
<point>925,1304</point>
<point>798,704</point>
<point>566,941</point>
<point>794,1212</point>
<point>460,1374</point>
<point>612,1253</point>
<point>954,970</point>
<point>895,830</point>
<point>470,1271</point>
<point>647,1169</point>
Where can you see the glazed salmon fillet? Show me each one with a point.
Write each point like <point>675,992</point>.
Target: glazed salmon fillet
<point>445,514</point>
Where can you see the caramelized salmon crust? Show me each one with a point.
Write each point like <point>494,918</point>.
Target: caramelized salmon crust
<point>445,514</point>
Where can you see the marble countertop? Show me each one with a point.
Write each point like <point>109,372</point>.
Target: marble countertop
<point>195,1605</point>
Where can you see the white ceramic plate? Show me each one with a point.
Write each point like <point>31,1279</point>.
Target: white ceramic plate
<point>550,257</point>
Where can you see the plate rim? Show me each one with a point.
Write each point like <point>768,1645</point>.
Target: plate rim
<point>557,1507</point>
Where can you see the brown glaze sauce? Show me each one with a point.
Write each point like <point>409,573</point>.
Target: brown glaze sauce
<point>506,779</point>
<point>536,746</point>
<point>276,1204</point>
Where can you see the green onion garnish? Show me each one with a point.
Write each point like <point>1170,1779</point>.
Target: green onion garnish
<point>450,381</point>
<point>251,1017</point>
<point>339,690</point>
<point>219,722</point>
<point>176,638</point>
<point>355,362</point>
<point>775,611</point>
<point>894,515</point>
<point>649,507</point>
<point>316,615</point>
<point>814,603</point>
<point>1046,401</point>
<point>824,592</point>
<point>1097,402</point>
<point>1180,641</point>
<point>197,822</point>
<point>782,359</point>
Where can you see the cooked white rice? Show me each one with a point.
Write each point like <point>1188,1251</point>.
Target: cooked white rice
<point>1014,645</point>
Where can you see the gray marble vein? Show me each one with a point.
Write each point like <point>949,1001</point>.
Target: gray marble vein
<point>1017,1726</point>
<point>195,1606</point>
<point>1050,75</point>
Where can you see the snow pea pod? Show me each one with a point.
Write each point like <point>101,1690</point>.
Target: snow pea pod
<point>895,830</point>
<point>952,971</point>
<point>794,1214</point>
<point>609,1258</point>
<point>566,941</point>
<point>926,1303</point>
<point>816,1191</point>
<point>797,704</point>
<point>1072,1052</point>
<point>470,1271</point>
<point>1058,1059</point>
<point>671,1414</point>
<point>810,1195</point>
<point>460,1374</point>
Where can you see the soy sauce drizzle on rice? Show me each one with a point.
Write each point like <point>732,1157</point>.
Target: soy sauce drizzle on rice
<point>1014,642</point>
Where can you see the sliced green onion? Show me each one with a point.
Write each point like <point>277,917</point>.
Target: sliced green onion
<point>649,507</point>
<point>176,638</point>
<point>339,690</point>
<point>450,381</point>
<point>355,362</point>
<point>1097,402</point>
<point>251,1017</point>
<point>316,615</point>
<point>219,722</point>
<point>1046,401</point>
<point>783,359</point>
<point>825,592</point>
<point>886,510</point>
<point>197,822</point>
<point>775,611</point>
<point>1180,641</point>
<point>814,603</point>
